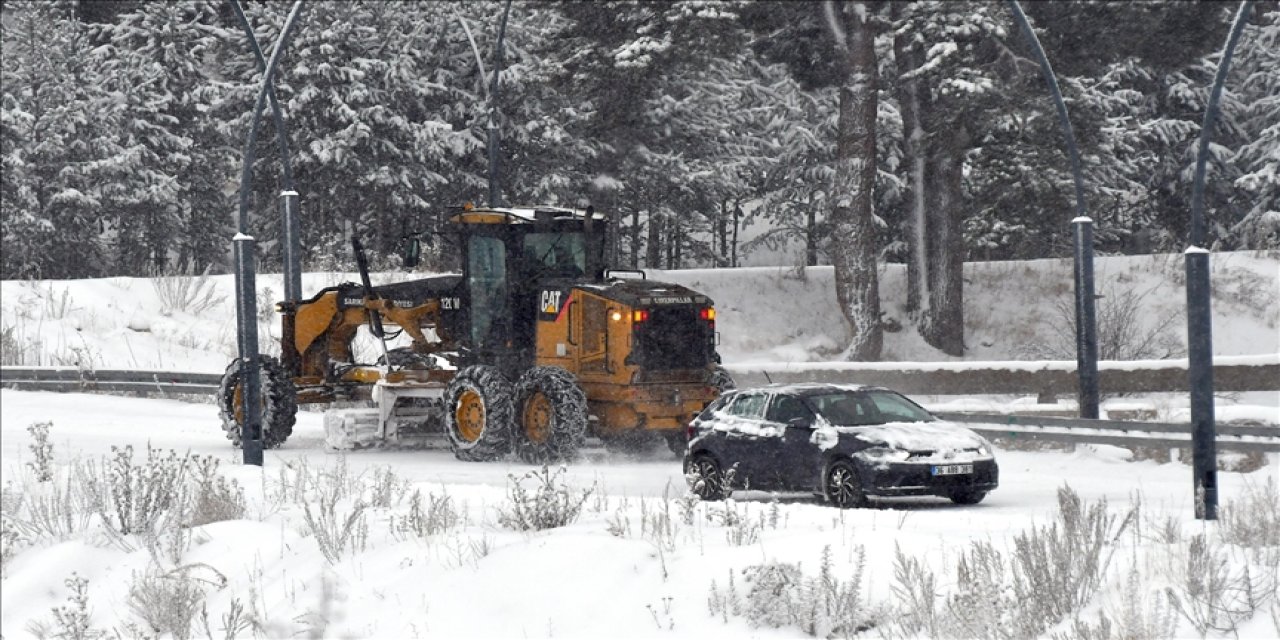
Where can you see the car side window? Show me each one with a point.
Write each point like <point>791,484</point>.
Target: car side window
<point>848,409</point>
<point>716,405</point>
<point>750,405</point>
<point>786,408</point>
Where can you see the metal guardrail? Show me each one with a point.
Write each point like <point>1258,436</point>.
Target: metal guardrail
<point>1043,428</point>
<point>1045,379</point>
<point>1235,437</point>
<point>70,379</point>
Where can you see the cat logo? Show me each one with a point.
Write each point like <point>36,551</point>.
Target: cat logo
<point>550,301</point>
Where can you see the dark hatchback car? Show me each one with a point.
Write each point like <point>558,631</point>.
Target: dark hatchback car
<point>844,443</point>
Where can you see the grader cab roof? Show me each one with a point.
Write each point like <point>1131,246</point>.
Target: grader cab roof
<point>523,215</point>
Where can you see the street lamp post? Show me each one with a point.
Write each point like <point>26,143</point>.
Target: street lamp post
<point>246,296</point>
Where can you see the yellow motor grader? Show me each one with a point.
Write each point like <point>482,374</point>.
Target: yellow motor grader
<point>534,346</point>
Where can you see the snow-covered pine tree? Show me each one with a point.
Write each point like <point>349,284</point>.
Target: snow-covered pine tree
<point>62,158</point>
<point>1257,82</point>
<point>380,127</point>
<point>627,63</point>
<point>172,205</point>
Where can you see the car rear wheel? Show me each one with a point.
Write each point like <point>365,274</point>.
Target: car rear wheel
<point>968,497</point>
<point>479,414</point>
<point>841,486</point>
<point>551,414</point>
<point>706,478</point>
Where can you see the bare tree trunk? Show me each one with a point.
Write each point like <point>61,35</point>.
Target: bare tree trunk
<point>737,220</point>
<point>852,228</point>
<point>942,321</point>
<point>935,287</point>
<point>653,249</point>
<point>722,234</point>
<point>635,238</point>
<point>811,233</point>
<point>907,59</point>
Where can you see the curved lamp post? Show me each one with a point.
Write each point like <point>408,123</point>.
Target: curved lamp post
<point>288,195</point>
<point>1082,225</point>
<point>1199,314</point>
<point>491,94</point>
<point>243,244</point>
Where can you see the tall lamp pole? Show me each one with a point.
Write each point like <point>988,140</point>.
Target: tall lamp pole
<point>1082,232</point>
<point>243,246</point>
<point>1199,313</point>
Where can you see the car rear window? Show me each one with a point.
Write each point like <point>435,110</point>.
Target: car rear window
<point>750,405</point>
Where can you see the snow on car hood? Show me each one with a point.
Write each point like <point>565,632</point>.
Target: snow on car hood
<point>937,436</point>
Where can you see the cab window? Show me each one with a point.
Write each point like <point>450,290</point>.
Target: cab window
<point>555,253</point>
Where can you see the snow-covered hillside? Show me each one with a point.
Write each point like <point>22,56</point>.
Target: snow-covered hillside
<point>1013,311</point>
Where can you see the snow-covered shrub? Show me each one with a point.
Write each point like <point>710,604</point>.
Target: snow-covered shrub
<point>336,532</point>
<point>168,601</point>
<point>741,527</point>
<point>773,595</point>
<point>551,504</point>
<point>215,499</point>
<point>70,621</point>
<point>1123,330</point>
<point>1058,568</point>
<point>386,488</point>
<point>187,293</point>
<point>656,524</point>
<point>823,606</point>
<point>981,606</point>
<point>15,349</point>
<point>41,450</point>
<point>1213,592</point>
<point>1140,615</point>
<point>55,510</point>
<point>915,591</point>
<point>138,495</point>
<point>437,516</point>
<point>1254,519</point>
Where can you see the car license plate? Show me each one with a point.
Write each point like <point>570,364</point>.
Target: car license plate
<point>952,469</point>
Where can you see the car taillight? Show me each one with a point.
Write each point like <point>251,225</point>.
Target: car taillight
<point>639,315</point>
<point>708,313</point>
<point>688,432</point>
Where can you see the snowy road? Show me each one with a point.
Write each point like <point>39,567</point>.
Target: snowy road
<point>89,425</point>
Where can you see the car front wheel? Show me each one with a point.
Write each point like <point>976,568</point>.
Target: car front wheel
<point>841,486</point>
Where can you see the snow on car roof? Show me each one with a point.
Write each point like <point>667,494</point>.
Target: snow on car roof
<point>811,387</point>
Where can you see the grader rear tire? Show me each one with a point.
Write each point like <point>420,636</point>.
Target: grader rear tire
<point>478,414</point>
<point>279,402</point>
<point>551,418</point>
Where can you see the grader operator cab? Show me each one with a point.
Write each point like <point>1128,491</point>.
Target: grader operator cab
<point>540,346</point>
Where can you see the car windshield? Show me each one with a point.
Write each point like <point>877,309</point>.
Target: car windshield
<point>854,408</point>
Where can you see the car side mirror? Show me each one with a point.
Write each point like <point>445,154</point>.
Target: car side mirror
<point>800,423</point>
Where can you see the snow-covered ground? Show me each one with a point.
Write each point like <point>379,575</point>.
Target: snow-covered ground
<point>641,560</point>
<point>620,570</point>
